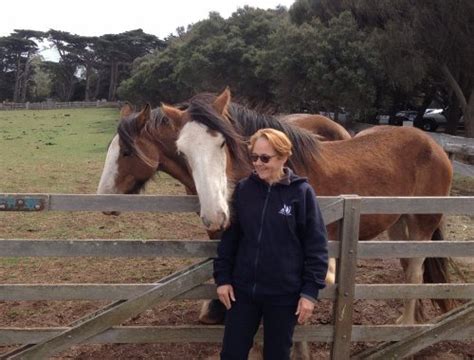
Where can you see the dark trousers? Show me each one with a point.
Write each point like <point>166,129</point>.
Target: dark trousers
<point>241,324</point>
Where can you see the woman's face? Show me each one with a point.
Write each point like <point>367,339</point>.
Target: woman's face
<point>271,171</point>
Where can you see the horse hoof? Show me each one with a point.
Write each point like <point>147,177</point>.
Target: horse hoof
<point>212,313</point>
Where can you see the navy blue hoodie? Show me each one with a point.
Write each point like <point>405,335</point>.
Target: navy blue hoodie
<point>277,244</point>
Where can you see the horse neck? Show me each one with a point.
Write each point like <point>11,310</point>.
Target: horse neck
<point>179,172</point>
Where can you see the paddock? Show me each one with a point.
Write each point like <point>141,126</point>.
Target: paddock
<point>128,300</point>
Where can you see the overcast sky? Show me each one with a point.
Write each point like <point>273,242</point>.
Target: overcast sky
<point>98,17</point>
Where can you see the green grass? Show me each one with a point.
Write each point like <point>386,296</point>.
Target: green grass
<point>63,151</point>
<point>54,150</point>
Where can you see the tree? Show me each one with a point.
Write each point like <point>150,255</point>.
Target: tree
<point>117,51</point>
<point>84,48</point>
<point>18,50</point>
<point>69,62</point>
<point>427,42</point>
<point>41,80</point>
<point>317,66</point>
<point>304,11</point>
<point>212,54</point>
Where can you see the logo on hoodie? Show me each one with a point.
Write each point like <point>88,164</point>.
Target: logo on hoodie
<point>285,210</point>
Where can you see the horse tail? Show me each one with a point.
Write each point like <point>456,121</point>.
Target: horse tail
<point>436,270</point>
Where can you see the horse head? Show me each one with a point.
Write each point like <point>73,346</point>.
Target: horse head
<point>145,143</point>
<point>131,158</point>
<point>206,141</point>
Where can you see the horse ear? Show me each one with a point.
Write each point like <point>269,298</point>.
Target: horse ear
<point>144,116</point>
<point>175,115</point>
<point>126,110</point>
<point>222,102</point>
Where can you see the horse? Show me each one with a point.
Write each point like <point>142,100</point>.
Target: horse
<point>145,143</point>
<point>324,128</point>
<point>392,162</point>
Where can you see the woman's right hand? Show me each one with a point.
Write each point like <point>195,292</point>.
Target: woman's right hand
<point>226,294</point>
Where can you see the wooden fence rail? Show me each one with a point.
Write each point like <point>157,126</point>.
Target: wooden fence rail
<point>102,327</point>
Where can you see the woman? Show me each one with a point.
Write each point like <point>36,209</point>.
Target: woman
<point>272,260</point>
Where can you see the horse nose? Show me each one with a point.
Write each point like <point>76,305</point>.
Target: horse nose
<point>225,221</point>
<point>220,223</point>
<point>206,221</point>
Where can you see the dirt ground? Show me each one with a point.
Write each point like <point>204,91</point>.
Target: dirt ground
<point>56,313</point>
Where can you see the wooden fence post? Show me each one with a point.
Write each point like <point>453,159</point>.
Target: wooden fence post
<point>345,278</point>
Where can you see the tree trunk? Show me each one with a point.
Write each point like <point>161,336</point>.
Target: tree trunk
<point>17,89</point>
<point>70,87</point>
<point>113,80</point>
<point>88,84</point>
<point>453,114</point>
<point>97,86</point>
<point>468,114</point>
<point>467,107</point>
<point>25,79</point>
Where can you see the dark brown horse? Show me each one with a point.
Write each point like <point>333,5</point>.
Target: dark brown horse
<point>389,162</point>
<point>144,144</point>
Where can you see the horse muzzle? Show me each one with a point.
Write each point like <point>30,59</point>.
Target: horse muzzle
<point>220,222</point>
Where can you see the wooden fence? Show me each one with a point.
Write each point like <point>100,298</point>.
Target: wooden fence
<point>103,326</point>
<point>49,105</point>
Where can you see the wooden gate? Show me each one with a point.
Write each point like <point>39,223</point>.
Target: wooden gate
<point>129,300</point>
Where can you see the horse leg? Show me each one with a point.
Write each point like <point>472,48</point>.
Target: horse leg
<point>212,312</point>
<point>331,274</point>
<point>412,268</point>
<point>419,270</point>
<point>300,351</point>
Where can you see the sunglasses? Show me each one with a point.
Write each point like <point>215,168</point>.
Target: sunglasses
<point>263,158</point>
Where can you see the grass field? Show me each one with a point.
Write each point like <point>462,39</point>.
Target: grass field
<point>62,151</point>
<point>54,150</point>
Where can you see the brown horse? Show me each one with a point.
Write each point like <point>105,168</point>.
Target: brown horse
<point>146,143</point>
<point>324,128</point>
<point>390,162</point>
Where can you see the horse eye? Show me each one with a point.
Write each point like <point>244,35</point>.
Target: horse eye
<point>126,153</point>
<point>223,143</point>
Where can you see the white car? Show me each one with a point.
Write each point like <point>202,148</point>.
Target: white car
<point>432,119</point>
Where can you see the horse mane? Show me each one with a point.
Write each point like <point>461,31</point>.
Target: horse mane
<point>202,111</point>
<point>244,122</point>
<point>128,128</point>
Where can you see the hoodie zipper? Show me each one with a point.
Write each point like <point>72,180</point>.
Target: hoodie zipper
<point>259,238</point>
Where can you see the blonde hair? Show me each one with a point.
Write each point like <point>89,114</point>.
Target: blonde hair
<point>276,138</point>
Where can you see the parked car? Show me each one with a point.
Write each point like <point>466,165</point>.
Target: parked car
<point>342,116</point>
<point>431,120</point>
